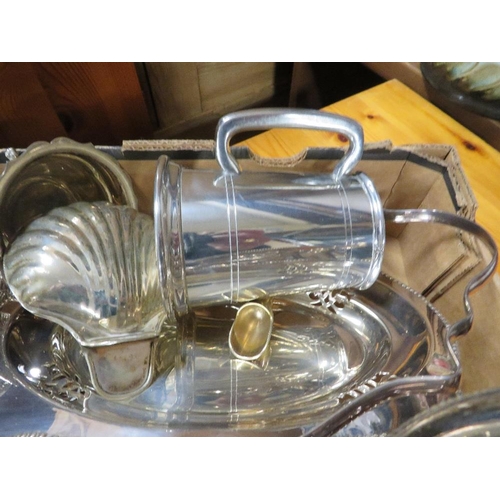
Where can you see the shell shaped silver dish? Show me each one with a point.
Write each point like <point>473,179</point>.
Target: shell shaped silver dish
<point>91,268</point>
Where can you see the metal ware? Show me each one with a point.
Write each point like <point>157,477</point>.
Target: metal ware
<point>90,267</point>
<point>340,360</point>
<point>334,356</point>
<point>251,331</point>
<point>114,372</point>
<point>228,237</point>
<point>471,415</point>
<point>423,385</point>
<point>56,174</point>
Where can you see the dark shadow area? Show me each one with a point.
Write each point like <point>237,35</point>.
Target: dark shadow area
<point>335,81</point>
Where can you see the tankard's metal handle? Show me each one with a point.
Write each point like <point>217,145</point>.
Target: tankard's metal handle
<point>268,118</point>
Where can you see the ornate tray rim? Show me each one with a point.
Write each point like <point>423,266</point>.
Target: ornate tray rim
<point>357,400</point>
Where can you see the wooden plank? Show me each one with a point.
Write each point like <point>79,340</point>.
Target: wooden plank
<point>410,74</point>
<point>175,90</point>
<point>26,114</point>
<point>234,85</point>
<point>97,102</point>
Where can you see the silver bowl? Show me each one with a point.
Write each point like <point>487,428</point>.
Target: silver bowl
<point>50,175</point>
<point>90,267</point>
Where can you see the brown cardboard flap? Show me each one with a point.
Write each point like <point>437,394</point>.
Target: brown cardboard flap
<point>447,157</point>
<point>393,264</point>
<point>142,173</point>
<point>168,145</point>
<point>480,348</point>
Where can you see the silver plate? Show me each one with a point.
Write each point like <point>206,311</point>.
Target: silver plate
<point>332,357</point>
<point>56,174</point>
<point>472,415</point>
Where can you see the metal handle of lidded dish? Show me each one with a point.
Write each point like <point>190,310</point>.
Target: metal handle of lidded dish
<point>268,118</point>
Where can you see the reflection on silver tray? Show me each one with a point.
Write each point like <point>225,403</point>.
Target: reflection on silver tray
<point>331,356</point>
<point>473,415</point>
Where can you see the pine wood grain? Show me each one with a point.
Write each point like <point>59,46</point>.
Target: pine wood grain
<point>97,102</point>
<point>101,103</point>
<point>391,111</point>
<point>410,74</point>
<point>25,110</point>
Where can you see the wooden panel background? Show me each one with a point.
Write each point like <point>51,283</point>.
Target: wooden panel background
<point>102,103</point>
<point>106,103</point>
<point>189,96</point>
<point>235,84</point>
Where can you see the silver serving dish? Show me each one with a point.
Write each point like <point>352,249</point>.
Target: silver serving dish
<point>471,415</point>
<point>90,267</point>
<point>59,173</point>
<point>332,357</point>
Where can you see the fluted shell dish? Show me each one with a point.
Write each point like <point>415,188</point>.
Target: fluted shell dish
<point>90,267</point>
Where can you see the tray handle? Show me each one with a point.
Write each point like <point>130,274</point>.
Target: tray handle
<point>417,384</point>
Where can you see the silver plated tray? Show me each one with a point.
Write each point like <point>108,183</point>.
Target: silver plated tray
<point>465,415</point>
<point>332,357</point>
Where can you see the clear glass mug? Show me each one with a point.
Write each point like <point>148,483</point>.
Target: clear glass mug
<point>229,236</point>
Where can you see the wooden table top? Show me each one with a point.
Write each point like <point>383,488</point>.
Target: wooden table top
<point>391,111</point>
